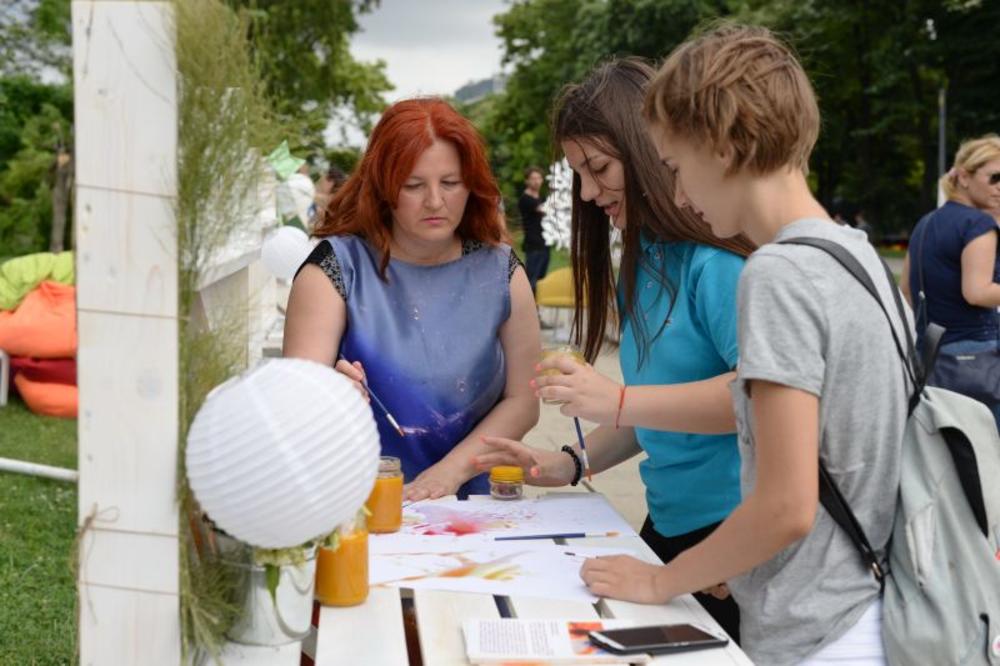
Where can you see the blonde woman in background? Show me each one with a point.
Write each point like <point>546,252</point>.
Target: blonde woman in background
<point>956,248</point>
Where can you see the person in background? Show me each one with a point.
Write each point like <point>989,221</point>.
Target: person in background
<point>674,301</point>
<point>536,252</point>
<point>734,120</point>
<point>414,289</point>
<point>956,245</point>
<point>329,182</point>
<point>862,224</point>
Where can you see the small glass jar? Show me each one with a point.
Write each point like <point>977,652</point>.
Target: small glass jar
<point>569,350</point>
<point>507,483</point>
<point>386,500</point>
<point>342,572</point>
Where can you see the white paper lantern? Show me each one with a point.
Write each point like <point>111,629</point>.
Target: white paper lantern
<point>283,454</point>
<point>284,250</point>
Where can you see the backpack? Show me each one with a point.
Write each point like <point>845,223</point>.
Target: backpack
<point>941,580</point>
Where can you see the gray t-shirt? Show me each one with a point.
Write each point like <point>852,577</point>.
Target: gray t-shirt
<point>805,322</point>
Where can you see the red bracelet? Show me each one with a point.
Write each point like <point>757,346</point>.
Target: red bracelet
<point>621,401</point>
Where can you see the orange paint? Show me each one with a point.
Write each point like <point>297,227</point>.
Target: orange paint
<point>386,505</point>
<point>342,574</point>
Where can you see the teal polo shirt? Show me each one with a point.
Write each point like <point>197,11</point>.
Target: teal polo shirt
<point>691,480</point>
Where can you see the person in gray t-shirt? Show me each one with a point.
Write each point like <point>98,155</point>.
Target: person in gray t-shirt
<point>732,113</point>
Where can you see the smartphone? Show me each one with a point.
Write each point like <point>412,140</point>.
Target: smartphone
<point>658,639</point>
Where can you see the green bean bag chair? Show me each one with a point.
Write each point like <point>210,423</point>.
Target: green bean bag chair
<point>20,276</point>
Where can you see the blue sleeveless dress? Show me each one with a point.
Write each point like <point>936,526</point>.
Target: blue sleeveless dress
<point>428,338</point>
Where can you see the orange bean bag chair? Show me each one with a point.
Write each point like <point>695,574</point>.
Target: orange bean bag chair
<point>43,325</point>
<point>51,370</point>
<point>49,399</point>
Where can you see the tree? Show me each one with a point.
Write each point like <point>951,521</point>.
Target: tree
<point>35,128</point>
<point>35,125</point>
<point>876,66</point>
<point>303,50</point>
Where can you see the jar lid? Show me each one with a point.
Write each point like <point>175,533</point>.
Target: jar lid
<point>507,474</point>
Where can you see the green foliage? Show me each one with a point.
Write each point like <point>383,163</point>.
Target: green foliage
<point>35,121</point>
<point>226,123</point>
<point>37,529</point>
<point>876,67</point>
<point>35,37</point>
<point>303,49</point>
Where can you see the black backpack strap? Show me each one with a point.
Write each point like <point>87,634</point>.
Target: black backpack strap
<point>829,495</point>
<point>840,511</point>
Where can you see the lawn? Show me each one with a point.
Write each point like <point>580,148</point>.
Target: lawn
<point>37,528</point>
<point>559,258</point>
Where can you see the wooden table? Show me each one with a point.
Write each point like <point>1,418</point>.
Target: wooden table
<point>373,633</point>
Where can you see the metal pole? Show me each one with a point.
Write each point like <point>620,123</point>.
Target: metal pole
<point>942,152</point>
<point>34,469</point>
<point>942,121</point>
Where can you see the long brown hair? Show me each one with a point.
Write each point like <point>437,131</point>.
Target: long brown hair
<point>362,206</point>
<point>606,110</point>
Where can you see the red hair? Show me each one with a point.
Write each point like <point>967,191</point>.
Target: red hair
<point>362,206</point>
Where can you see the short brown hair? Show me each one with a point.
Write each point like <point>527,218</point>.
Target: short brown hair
<point>738,87</point>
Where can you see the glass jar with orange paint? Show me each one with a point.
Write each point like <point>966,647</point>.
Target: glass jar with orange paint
<point>554,351</point>
<point>385,503</point>
<point>342,566</point>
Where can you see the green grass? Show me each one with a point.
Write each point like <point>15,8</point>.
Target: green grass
<point>37,528</point>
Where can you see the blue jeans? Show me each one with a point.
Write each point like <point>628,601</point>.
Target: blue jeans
<point>536,265</point>
<point>975,347</point>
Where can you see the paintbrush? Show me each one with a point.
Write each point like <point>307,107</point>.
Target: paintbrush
<point>385,410</point>
<point>557,535</point>
<point>583,448</point>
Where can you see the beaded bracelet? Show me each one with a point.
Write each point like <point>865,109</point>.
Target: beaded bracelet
<point>576,463</point>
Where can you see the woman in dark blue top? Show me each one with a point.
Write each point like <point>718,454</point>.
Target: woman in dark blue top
<point>955,249</point>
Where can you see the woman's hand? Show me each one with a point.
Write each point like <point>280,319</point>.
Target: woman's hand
<point>541,468</point>
<point>356,373</point>
<point>623,577</point>
<point>586,393</point>
<point>434,482</point>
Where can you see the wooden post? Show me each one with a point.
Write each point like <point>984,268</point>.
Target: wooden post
<point>125,83</point>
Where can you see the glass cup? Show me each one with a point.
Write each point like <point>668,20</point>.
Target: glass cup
<point>560,350</point>
<point>386,500</point>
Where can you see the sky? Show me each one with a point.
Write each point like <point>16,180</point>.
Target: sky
<point>431,46</point>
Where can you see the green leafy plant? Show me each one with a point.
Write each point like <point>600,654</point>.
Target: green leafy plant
<point>226,122</point>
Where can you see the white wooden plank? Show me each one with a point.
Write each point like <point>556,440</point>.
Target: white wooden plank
<point>128,422</point>
<point>125,82</point>
<point>540,608</point>
<point>370,634</point>
<point>126,253</point>
<point>439,623</point>
<point>681,610</point>
<point>128,627</point>
<point>128,560</point>
<point>289,654</point>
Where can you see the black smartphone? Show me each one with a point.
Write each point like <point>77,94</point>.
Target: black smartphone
<point>658,639</point>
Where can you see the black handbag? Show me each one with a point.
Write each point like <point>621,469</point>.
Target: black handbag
<point>976,375</point>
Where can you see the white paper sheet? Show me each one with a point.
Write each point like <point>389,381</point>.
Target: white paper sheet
<point>554,514</point>
<point>458,564</point>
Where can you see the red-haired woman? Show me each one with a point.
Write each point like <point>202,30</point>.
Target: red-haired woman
<point>414,284</point>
